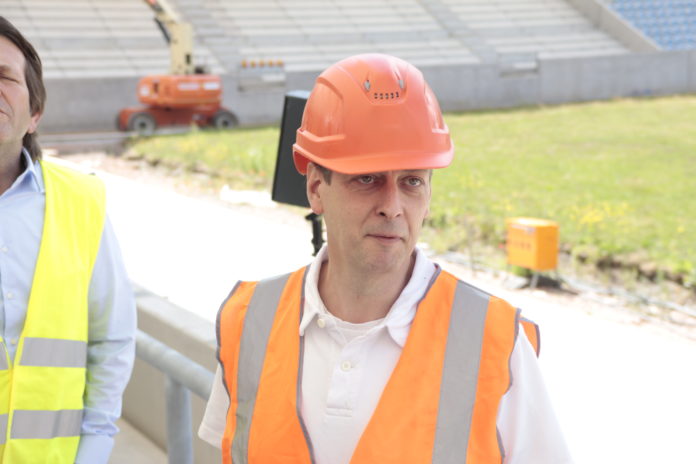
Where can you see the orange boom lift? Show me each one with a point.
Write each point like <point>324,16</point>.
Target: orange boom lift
<point>183,97</point>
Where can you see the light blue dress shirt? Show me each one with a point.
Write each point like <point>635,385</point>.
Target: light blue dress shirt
<point>112,317</point>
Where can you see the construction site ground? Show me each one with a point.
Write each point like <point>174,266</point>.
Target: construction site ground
<point>622,377</point>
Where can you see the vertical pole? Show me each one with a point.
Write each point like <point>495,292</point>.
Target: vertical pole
<point>179,440</point>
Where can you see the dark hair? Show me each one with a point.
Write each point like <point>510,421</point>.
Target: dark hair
<point>325,172</point>
<point>33,76</point>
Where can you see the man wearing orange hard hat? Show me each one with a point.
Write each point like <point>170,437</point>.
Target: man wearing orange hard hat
<point>372,353</point>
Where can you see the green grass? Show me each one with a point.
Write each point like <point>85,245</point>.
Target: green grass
<point>241,158</point>
<point>618,176</point>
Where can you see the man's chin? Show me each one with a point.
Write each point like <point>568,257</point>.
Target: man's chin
<point>386,260</point>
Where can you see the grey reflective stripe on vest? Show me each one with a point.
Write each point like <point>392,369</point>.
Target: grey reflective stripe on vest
<point>460,374</point>
<point>3,428</point>
<point>53,352</point>
<point>252,351</point>
<point>3,357</point>
<point>46,424</point>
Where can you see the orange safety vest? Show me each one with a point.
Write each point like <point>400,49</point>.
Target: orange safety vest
<point>440,404</point>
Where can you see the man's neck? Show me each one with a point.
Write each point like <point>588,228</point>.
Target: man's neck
<point>356,296</point>
<point>11,167</point>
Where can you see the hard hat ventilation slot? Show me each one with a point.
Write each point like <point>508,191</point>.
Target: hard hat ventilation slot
<point>386,95</point>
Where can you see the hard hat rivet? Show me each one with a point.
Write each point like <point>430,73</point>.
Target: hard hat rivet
<point>401,84</point>
<point>367,85</point>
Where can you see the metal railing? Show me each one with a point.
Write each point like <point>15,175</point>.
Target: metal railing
<point>183,375</point>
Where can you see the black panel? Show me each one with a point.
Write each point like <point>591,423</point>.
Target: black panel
<point>288,184</point>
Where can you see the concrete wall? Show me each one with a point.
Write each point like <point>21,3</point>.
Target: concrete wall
<point>256,107</point>
<point>637,75</point>
<point>83,105</point>
<point>565,80</point>
<point>92,104</point>
<point>144,399</point>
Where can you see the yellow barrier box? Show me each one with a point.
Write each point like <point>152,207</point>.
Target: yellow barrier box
<point>532,243</point>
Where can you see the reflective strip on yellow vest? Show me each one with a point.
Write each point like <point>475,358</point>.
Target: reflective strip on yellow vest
<point>440,404</point>
<point>41,393</point>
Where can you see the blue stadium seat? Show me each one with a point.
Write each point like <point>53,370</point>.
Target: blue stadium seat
<point>670,23</point>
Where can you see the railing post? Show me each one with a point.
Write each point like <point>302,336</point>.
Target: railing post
<point>179,439</point>
<point>183,376</point>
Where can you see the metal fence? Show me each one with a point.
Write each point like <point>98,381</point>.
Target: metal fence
<point>183,376</point>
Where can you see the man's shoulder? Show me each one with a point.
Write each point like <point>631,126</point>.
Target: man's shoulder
<point>63,170</point>
<point>277,281</point>
<point>473,291</point>
<point>463,284</point>
<point>58,176</point>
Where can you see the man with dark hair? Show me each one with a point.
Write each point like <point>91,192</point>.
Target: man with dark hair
<point>67,312</point>
<point>372,353</point>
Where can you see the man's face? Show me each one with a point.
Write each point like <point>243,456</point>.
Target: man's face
<point>373,220</point>
<point>15,116</point>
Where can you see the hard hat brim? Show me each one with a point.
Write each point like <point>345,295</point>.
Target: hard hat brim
<point>374,162</point>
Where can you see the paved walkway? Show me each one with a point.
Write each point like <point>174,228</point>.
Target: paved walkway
<point>625,391</point>
<point>132,447</point>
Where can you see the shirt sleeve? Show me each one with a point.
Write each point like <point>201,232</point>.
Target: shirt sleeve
<point>214,420</point>
<point>527,424</point>
<point>110,350</point>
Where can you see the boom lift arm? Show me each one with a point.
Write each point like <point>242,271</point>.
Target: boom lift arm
<point>178,34</point>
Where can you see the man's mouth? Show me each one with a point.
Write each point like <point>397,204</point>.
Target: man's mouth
<point>386,238</point>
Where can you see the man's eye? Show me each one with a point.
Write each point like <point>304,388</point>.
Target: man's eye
<point>366,179</point>
<point>414,181</point>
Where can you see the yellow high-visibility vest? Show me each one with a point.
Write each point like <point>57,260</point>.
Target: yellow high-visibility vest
<point>41,393</point>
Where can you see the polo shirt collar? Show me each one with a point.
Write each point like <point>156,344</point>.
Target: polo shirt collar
<point>399,318</point>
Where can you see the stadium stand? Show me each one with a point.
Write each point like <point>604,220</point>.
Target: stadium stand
<point>308,35</point>
<point>118,38</point>
<point>95,38</point>
<point>521,32</point>
<point>670,23</point>
<point>477,53</point>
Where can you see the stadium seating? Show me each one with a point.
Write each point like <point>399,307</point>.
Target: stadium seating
<point>670,23</point>
<point>100,38</point>
<point>95,38</point>
<point>311,34</point>
<point>521,32</point>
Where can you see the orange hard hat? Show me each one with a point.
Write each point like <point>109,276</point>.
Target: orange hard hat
<point>372,113</point>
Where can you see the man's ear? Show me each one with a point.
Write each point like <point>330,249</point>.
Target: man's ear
<point>314,180</point>
<point>34,122</point>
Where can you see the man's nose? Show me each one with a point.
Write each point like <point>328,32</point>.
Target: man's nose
<point>390,201</point>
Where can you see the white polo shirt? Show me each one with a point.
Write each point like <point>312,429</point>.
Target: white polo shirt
<point>346,367</point>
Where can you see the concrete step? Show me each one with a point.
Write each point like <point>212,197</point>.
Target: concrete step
<point>132,447</point>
